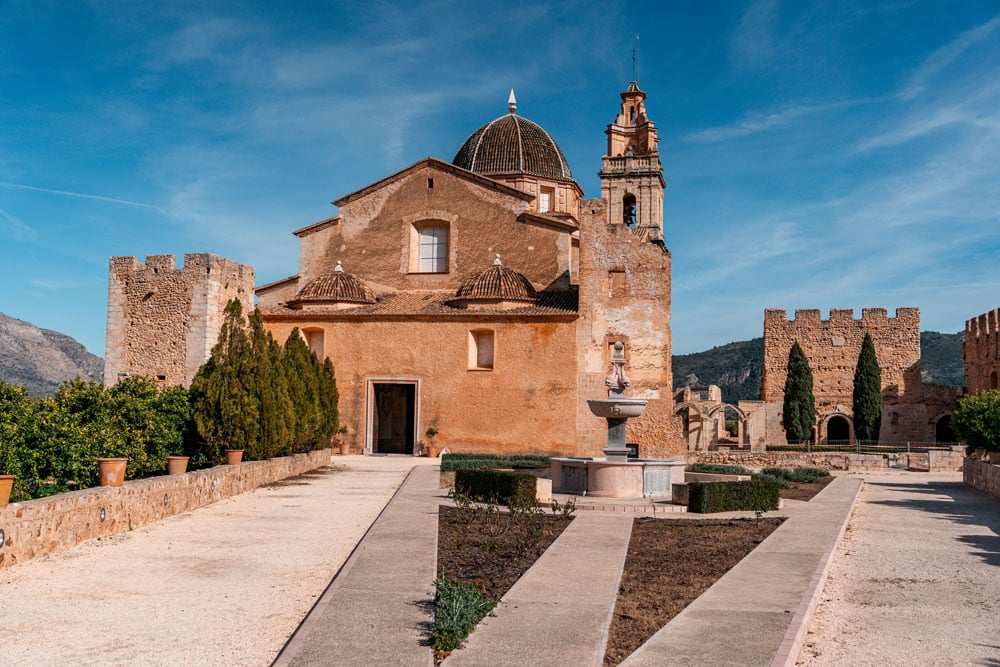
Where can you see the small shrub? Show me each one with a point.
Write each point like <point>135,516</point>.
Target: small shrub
<point>798,475</point>
<point>711,497</point>
<point>458,608</point>
<point>718,469</point>
<point>510,488</point>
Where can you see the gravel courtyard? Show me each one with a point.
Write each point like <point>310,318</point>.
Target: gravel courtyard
<point>916,579</point>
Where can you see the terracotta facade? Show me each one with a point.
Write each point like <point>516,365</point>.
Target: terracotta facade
<point>383,289</point>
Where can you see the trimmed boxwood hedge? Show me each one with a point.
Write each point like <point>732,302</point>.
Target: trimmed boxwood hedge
<point>514,489</point>
<point>711,497</point>
<point>475,461</point>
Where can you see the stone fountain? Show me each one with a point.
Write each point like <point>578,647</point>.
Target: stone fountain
<point>616,475</point>
<point>616,408</point>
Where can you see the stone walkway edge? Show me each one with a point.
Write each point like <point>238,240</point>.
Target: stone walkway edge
<point>298,638</point>
<point>791,645</point>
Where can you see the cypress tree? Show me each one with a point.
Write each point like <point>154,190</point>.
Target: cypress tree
<point>268,384</point>
<point>867,394</point>
<point>799,410</point>
<point>328,399</point>
<point>303,388</point>
<point>225,411</point>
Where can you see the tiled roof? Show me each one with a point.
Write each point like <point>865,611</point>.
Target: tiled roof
<point>497,282</point>
<point>434,304</point>
<point>513,145</point>
<point>337,286</point>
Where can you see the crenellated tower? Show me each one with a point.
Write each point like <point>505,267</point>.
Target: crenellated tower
<point>631,171</point>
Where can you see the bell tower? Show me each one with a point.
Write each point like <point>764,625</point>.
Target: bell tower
<point>631,172</point>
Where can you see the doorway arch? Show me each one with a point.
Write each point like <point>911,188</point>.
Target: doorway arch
<point>943,431</point>
<point>838,430</point>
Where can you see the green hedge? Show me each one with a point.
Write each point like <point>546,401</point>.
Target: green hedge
<point>799,475</point>
<point>711,497</point>
<point>509,488</point>
<point>718,469</point>
<point>477,461</point>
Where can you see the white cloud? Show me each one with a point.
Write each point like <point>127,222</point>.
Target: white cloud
<point>81,195</point>
<point>753,44</point>
<point>945,56</point>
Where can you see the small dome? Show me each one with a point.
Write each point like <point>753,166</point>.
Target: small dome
<point>337,286</point>
<point>497,283</point>
<point>513,145</point>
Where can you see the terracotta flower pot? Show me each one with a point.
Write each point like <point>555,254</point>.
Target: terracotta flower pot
<point>234,456</point>
<point>433,451</point>
<point>112,471</point>
<point>994,458</point>
<point>177,465</point>
<point>345,448</point>
<point>6,484</point>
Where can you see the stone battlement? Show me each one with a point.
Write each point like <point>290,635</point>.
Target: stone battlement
<point>981,352</point>
<point>869,316</point>
<point>164,320</point>
<point>984,325</point>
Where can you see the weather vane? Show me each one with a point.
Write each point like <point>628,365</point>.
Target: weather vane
<point>635,59</point>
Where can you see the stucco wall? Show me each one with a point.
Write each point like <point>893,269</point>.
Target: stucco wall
<point>47,525</point>
<point>372,237</point>
<point>527,403</point>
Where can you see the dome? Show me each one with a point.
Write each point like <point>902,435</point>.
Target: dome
<point>497,283</point>
<point>338,286</point>
<point>513,145</point>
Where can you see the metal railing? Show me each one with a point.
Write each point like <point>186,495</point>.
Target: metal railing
<point>865,447</point>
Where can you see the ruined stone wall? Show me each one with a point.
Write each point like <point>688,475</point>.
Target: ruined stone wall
<point>163,320</point>
<point>625,295</point>
<point>46,525</point>
<point>911,408</point>
<point>832,347</point>
<point>526,403</point>
<point>983,476</point>
<point>981,352</point>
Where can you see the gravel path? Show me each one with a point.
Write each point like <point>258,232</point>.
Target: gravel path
<point>222,585</point>
<point>916,579</point>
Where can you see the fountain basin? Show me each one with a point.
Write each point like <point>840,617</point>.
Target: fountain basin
<point>617,408</point>
<point>635,478</point>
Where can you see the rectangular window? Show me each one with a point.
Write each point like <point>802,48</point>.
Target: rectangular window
<point>545,200</point>
<point>481,344</point>
<point>433,250</point>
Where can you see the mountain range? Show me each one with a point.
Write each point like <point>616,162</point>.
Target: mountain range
<point>41,359</point>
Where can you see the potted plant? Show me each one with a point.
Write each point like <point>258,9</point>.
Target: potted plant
<point>112,470</point>
<point>340,440</point>
<point>431,449</point>
<point>6,485</point>
<point>234,457</point>
<point>176,464</point>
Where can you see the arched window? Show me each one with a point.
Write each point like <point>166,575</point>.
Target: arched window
<point>628,210</point>
<point>631,114</point>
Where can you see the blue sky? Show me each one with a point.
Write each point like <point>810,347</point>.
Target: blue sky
<point>817,154</point>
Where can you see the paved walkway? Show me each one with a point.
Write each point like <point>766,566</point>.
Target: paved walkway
<point>222,585</point>
<point>378,610</point>
<point>916,579</point>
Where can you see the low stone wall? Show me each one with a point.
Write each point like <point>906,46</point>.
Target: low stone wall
<point>46,525</point>
<point>934,461</point>
<point>982,476</point>
<point>826,460</point>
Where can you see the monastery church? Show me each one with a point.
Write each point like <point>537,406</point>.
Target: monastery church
<point>478,297</point>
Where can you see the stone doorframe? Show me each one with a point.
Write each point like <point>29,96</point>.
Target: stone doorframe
<point>370,383</point>
<point>825,422</point>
